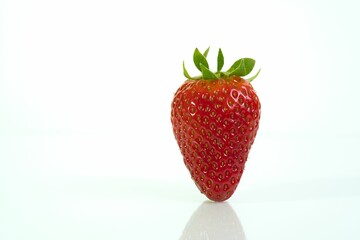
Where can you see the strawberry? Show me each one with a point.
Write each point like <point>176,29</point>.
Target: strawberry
<point>215,118</point>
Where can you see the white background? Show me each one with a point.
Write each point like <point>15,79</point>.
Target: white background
<point>86,88</point>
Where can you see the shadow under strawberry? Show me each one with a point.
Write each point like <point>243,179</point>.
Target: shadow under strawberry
<point>213,221</point>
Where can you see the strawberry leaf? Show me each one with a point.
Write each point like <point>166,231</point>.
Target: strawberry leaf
<point>206,52</point>
<point>206,73</point>
<point>241,67</point>
<point>235,70</point>
<point>199,60</point>
<point>234,66</point>
<point>220,60</point>
<point>186,74</point>
<point>249,64</point>
<point>253,77</point>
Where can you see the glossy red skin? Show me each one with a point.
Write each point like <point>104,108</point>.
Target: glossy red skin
<point>215,123</point>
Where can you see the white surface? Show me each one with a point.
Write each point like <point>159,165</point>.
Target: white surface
<point>98,209</point>
<point>74,166</point>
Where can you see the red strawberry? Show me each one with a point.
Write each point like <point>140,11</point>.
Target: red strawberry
<point>215,118</point>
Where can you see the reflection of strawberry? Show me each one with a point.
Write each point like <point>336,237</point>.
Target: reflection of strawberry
<point>214,221</point>
<point>215,118</point>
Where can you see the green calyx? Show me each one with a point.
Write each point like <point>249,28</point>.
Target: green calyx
<point>240,68</point>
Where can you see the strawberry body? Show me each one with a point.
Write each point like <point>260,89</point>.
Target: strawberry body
<point>215,123</point>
